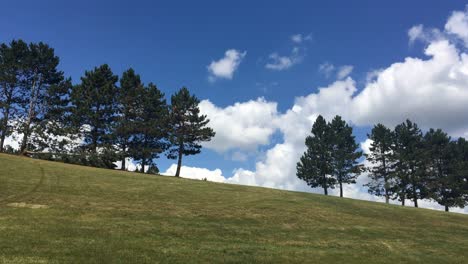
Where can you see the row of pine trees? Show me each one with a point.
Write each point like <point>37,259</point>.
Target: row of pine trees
<point>402,164</point>
<point>100,120</point>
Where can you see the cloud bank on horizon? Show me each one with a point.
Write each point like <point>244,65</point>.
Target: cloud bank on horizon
<point>433,92</point>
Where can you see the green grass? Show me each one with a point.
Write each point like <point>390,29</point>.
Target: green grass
<point>104,216</point>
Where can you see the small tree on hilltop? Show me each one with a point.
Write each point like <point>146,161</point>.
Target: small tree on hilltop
<point>187,127</point>
<point>314,166</point>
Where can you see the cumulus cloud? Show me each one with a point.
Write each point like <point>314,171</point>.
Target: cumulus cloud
<point>196,173</point>
<point>457,24</point>
<point>433,92</point>
<point>225,67</point>
<point>415,32</point>
<point>344,71</point>
<point>242,125</point>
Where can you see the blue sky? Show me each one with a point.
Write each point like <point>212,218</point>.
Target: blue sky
<point>171,43</point>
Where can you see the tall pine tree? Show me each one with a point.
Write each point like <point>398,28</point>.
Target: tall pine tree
<point>344,153</point>
<point>408,163</point>
<point>314,166</point>
<point>446,166</point>
<point>150,139</point>
<point>12,69</point>
<point>379,157</point>
<point>95,112</point>
<point>40,75</point>
<point>130,107</point>
<point>188,128</point>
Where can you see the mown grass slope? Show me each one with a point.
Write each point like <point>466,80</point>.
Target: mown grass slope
<point>58,213</point>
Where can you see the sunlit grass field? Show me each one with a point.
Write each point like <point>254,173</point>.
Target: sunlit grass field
<point>58,213</point>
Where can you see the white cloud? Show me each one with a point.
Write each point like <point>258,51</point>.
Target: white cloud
<point>326,69</point>
<point>196,173</point>
<point>300,38</point>
<point>297,38</point>
<point>415,32</point>
<point>433,92</point>
<point>457,24</point>
<point>242,125</point>
<point>226,66</point>
<point>279,63</point>
<point>344,71</point>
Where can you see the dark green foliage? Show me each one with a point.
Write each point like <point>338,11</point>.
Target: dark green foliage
<point>40,76</point>
<point>95,112</point>
<point>129,109</point>
<point>55,133</point>
<point>446,165</point>
<point>408,163</point>
<point>13,59</point>
<point>380,155</point>
<point>344,153</point>
<point>315,166</point>
<point>151,128</point>
<point>188,128</point>
<point>95,107</point>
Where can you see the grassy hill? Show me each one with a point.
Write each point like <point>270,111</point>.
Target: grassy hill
<point>58,213</point>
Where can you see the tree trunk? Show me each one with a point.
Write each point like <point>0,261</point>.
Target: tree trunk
<point>403,201</point>
<point>123,164</point>
<point>6,115</point>
<point>27,127</point>
<point>143,164</point>
<point>324,185</point>
<point>341,190</point>
<point>415,197</point>
<point>179,161</point>
<point>124,148</point>
<point>387,196</point>
<point>446,208</point>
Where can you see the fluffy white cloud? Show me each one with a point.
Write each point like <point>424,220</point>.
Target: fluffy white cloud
<point>433,92</point>
<point>226,66</point>
<point>415,32</point>
<point>242,125</point>
<point>344,71</point>
<point>196,173</point>
<point>457,24</point>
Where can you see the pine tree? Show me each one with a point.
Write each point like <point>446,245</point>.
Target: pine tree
<point>409,166</point>
<point>188,128</point>
<point>380,156</point>
<point>314,166</point>
<point>54,132</point>
<point>151,128</point>
<point>94,113</point>
<point>130,105</point>
<point>344,155</point>
<point>447,167</point>
<point>12,58</point>
<point>40,74</point>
